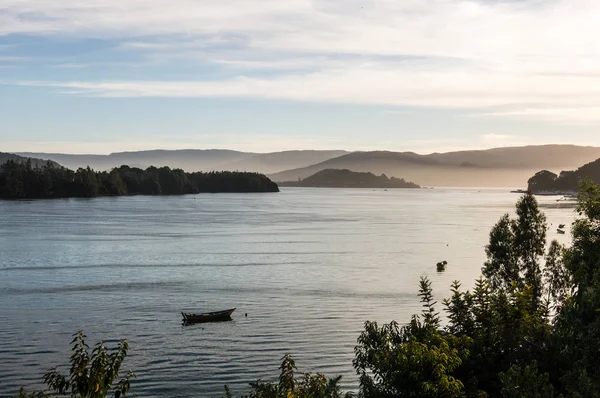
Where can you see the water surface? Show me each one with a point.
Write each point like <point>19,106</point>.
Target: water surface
<point>308,266</point>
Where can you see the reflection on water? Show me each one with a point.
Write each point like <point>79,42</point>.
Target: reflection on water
<point>307,266</point>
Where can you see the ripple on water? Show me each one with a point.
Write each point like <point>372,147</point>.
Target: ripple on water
<point>307,266</point>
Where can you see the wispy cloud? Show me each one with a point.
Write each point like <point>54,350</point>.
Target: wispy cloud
<point>539,57</point>
<point>70,66</point>
<point>579,115</point>
<point>369,84</point>
<point>10,59</point>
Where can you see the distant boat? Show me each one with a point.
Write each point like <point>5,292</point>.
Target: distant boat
<point>561,226</point>
<point>560,231</point>
<point>207,316</point>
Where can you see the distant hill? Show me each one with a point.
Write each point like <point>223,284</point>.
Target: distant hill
<point>499,167</point>
<point>195,159</point>
<point>547,181</point>
<point>278,161</point>
<point>4,157</point>
<point>335,178</point>
<point>552,156</point>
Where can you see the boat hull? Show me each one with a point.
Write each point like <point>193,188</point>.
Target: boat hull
<point>207,316</point>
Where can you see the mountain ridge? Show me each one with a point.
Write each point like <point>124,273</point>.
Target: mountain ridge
<point>194,159</point>
<point>500,167</point>
<point>495,167</point>
<point>35,162</point>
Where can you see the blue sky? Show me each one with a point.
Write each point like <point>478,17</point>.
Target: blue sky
<point>100,76</point>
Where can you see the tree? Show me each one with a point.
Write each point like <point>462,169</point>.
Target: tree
<point>86,183</point>
<point>305,386</point>
<point>556,276</point>
<point>578,322</point>
<point>502,323</point>
<point>92,375</point>
<point>526,381</point>
<point>542,181</point>
<point>516,249</point>
<point>415,360</point>
<point>19,180</point>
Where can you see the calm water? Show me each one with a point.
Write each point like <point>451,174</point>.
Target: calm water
<point>308,266</point>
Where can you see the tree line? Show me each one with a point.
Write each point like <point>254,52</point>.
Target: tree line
<point>344,178</point>
<point>21,180</point>
<point>565,181</point>
<point>529,328</point>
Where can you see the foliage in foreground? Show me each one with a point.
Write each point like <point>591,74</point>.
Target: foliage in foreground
<point>529,328</point>
<point>290,386</point>
<point>92,375</point>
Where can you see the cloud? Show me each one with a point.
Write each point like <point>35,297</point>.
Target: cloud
<point>70,66</point>
<point>539,57</point>
<point>578,115</point>
<point>367,84</point>
<point>10,59</point>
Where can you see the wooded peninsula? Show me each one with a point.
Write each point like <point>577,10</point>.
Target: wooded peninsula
<point>336,178</point>
<point>547,181</point>
<point>22,180</point>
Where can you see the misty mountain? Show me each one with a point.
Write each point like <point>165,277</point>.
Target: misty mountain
<point>278,161</point>
<point>192,160</point>
<point>498,167</point>
<point>4,157</point>
<point>553,156</point>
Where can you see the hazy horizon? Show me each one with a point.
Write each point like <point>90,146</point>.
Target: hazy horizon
<point>423,151</point>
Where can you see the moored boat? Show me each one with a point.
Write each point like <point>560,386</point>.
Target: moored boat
<point>208,316</point>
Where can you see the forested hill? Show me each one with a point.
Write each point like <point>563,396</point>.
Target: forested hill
<point>20,180</point>
<point>334,178</point>
<point>5,157</point>
<point>547,181</point>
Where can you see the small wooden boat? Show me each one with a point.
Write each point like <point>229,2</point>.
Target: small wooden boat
<point>208,316</point>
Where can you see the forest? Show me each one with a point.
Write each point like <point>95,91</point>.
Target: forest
<point>344,178</point>
<point>547,181</point>
<point>22,180</point>
<point>530,327</point>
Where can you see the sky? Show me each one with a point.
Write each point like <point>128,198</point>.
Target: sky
<point>102,76</point>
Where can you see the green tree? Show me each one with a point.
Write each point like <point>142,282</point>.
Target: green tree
<point>519,382</point>
<point>92,375</point>
<point>87,185</point>
<point>503,322</point>
<point>557,278</point>
<point>542,181</point>
<point>516,250</point>
<point>415,360</point>
<point>290,386</point>
<point>578,322</point>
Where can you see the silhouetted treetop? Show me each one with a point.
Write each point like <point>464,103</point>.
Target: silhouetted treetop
<point>344,178</point>
<point>566,180</point>
<point>21,180</point>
